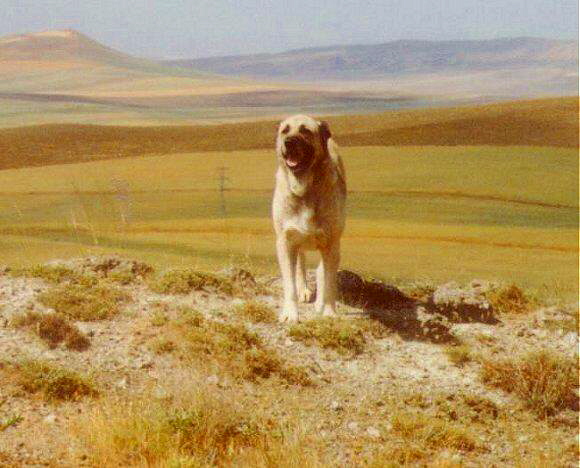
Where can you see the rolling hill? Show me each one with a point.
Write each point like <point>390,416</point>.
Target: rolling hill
<point>546,122</point>
<point>63,48</point>
<point>56,72</point>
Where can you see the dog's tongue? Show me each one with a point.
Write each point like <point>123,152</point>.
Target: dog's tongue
<point>292,161</point>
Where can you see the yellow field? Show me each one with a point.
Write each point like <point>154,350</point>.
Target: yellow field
<point>433,213</point>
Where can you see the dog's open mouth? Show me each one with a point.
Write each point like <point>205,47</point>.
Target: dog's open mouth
<point>298,156</point>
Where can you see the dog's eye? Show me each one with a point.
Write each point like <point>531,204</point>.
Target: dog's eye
<point>304,131</point>
<point>286,129</point>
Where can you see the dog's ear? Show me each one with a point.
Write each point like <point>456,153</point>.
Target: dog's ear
<point>324,131</point>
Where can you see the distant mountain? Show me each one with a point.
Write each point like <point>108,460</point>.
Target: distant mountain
<point>398,57</point>
<point>46,75</point>
<point>63,47</point>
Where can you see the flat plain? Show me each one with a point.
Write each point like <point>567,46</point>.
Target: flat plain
<point>457,206</point>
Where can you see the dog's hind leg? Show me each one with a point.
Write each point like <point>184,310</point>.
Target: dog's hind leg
<point>302,290</point>
<point>319,302</point>
<point>287,257</point>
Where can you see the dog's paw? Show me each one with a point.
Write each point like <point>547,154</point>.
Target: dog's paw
<point>318,306</point>
<point>289,314</point>
<point>306,295</point>
<point>328,311</point>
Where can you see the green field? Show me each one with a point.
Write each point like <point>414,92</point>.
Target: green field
<point>415,213</point>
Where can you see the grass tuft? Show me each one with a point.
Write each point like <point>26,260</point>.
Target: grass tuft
<point>256,312</point>
<point>510,300</point>
<point>185,281</point>
<point>230,346</point>
<point>433,432</point>
<point>459,355</point>
<point>341,335</point>
<point>56,274</point>
<point>545,381</point>
<point>55,383</point>
<point>264,363</point>
<point>163,345</point>
<point>53,329</point>
<point>82,302</point>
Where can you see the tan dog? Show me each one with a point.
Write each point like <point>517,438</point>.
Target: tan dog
<point>308,211</point>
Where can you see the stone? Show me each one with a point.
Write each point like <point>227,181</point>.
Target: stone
<point>464,303</point>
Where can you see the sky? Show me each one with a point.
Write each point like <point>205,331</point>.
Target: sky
<point>200,28</point>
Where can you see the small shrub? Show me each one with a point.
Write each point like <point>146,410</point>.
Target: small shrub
<point>81,302</point>
<point>255,311</point>
<point>186,281</point>
<point>55,383</point>
<point>510,299</point>
<point>459,355</point>
<point>545,381</point>
<point>54,329</point>
<point>344,336</point>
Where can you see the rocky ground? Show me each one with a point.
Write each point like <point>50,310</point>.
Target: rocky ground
<point>423,353</point>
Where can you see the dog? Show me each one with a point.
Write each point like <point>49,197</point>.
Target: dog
<point>308,212</point>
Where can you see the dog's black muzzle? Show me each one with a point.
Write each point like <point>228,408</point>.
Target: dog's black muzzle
<point>298,154</point>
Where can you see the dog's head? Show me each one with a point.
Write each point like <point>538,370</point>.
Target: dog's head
<point>301,143</point>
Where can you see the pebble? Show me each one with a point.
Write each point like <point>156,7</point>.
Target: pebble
<point>212,380</point>
<point>352,426</point>
<point>336,406</point>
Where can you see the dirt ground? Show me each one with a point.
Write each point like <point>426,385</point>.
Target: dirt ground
<point>351,411</point>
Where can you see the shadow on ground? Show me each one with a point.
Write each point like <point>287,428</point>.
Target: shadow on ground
<point>410,318</point>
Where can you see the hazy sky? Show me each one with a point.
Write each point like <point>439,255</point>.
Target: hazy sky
<point>194,28</point>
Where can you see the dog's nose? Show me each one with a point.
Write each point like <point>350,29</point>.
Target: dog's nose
<point>291,143</point>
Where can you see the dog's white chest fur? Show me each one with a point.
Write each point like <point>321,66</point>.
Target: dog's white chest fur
<point>302,229</point>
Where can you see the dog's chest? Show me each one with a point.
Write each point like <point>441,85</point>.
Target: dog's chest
<point>302,228</point>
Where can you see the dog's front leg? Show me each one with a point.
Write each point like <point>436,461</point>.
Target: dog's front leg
<point>329,263</point>
<point>302,290</point>
<point>287,254</point>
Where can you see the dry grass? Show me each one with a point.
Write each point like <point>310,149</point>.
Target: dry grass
<point>433,433</point>
<point>510,300</point>
<point>162,345</point>
<point>230,346</point>
<point>51,274</point>
<point>546,382</point>
<point>54,329</point>
<point>265,363</point>
<point>84,302</point>
<point>53,382</point>
<point>199,427</point>
<point>342,335</point>
<point>256,312</point>
<point>187,280</point>
<point>459,355</point>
